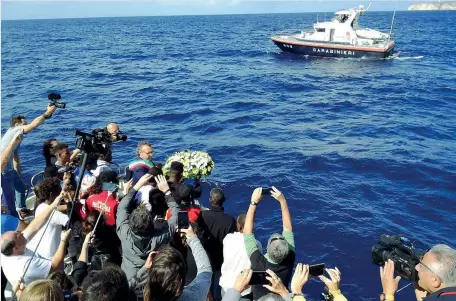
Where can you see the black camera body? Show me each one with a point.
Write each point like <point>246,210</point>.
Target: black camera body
<point>104,134</point>
<point>53,97</point>
<point>399,249</point>
<point>97,143</point>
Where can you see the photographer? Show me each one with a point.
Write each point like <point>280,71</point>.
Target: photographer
<point>12,184</point>
<point>436,276</point>
<point>136,228</point>
<point>280,255</point>
<point>114,132</point>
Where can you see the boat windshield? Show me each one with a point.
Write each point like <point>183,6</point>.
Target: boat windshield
<point>341,18</point>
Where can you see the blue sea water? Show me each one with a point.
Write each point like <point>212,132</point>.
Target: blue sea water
<point>358,147</point>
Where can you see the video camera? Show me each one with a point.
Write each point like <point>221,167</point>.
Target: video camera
<point>401,251</point>
<point>53,97</point>
<point>95,143</point>
<point>103,134</point>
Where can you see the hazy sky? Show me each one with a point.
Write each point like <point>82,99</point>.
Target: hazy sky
<point>26,9</point>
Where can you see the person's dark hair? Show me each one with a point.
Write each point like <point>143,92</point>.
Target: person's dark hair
<point>166,276</point>
<point>16,119</point>
<point>8,247</point>
<point>49,187</point>
<point>89,223</point>
<point>217,197</point>
<point>183,194</point>
<point>109,284</point>
<point>56,149</point>
<point>65,282</point>
<point>51,171</point>
<point>141,222</point>
<point>154,171</point>
<point>48,151</point>
<point>109,176</point>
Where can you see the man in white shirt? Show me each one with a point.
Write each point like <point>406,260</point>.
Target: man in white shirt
<point>235,258</point>
<point>49,189</point>
<point>15,254</point>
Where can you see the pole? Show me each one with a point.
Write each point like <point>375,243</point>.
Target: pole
<point>392,22</point>
<point>78,187</point>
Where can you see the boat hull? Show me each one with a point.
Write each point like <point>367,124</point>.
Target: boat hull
<point>332,50</point>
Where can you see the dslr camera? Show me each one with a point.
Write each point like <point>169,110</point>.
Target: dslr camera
<point>53,97</point>
<point>401,251</point>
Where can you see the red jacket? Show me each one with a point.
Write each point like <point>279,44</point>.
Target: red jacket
<point>108,207</point>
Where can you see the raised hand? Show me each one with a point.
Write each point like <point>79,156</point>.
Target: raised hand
<point>389,283</point>
<point>300,277</point>
<point>162,184</point>
<point>256,195</point>
<point>142,181</point>
<point>277,194</point>
<point>66,235</point>
<point>127,186</point>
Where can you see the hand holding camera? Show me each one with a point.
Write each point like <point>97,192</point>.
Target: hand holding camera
<point>243,280</point>
<point>389,283</point>
<point>333,283</point>
<point>276,284</point>
<point>277,194</point>
<point>188,232</point>
<point>300,277</point>
<point>256,196</point>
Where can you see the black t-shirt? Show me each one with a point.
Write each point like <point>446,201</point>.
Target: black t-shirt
<point>283,270</point>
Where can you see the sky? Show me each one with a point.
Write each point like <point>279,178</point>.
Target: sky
<point>46,9</point>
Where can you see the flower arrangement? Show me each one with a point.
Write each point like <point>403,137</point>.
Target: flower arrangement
<point>195,162</point>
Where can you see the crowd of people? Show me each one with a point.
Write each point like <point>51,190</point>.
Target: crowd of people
<point>105,243</point>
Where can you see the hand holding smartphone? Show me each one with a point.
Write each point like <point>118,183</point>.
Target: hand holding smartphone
<point>182,220</point>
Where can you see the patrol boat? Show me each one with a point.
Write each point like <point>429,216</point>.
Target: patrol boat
<point>340,37</point>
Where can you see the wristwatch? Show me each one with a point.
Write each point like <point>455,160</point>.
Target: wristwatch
<point>384,297</point>
<point>253,203</point>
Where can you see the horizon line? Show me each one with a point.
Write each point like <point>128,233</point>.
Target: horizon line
<point>192,15</point>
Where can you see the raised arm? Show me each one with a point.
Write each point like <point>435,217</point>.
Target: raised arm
<point>39,120</point>
<point>169,198</point>
<point>9,150</point>
<point>57,259</point>
<point>250,217</point>
<point>41,219</point>
<point>286,218</point>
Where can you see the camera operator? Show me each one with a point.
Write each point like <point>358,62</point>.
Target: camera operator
<point>114,131</point>
<point>436,276</point>
<point>12,184</point>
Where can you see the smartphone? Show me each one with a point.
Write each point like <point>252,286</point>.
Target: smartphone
<point>110,186</point>
<point>259,278</point>
<point>316,269</point>
<point>266,191</point>
<point>182,220</point>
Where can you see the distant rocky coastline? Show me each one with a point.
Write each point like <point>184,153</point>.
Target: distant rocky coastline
<point>434,6</point>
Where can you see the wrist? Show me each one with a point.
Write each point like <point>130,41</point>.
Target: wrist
<point>386,297</point>
<point>167,192</point>
<point>253,203</point>
<point>335,292</point>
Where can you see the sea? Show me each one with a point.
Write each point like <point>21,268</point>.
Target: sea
<point>358,147</point>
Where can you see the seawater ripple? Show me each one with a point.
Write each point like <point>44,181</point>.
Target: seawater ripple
<point>358,147</point>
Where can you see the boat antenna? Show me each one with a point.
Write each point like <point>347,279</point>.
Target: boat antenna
<point>392,22</point>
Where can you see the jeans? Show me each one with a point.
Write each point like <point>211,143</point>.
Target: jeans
<point>13,192</point>
<point>216,289</point>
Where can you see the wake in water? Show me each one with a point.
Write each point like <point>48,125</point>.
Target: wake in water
<point>397,56</point>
